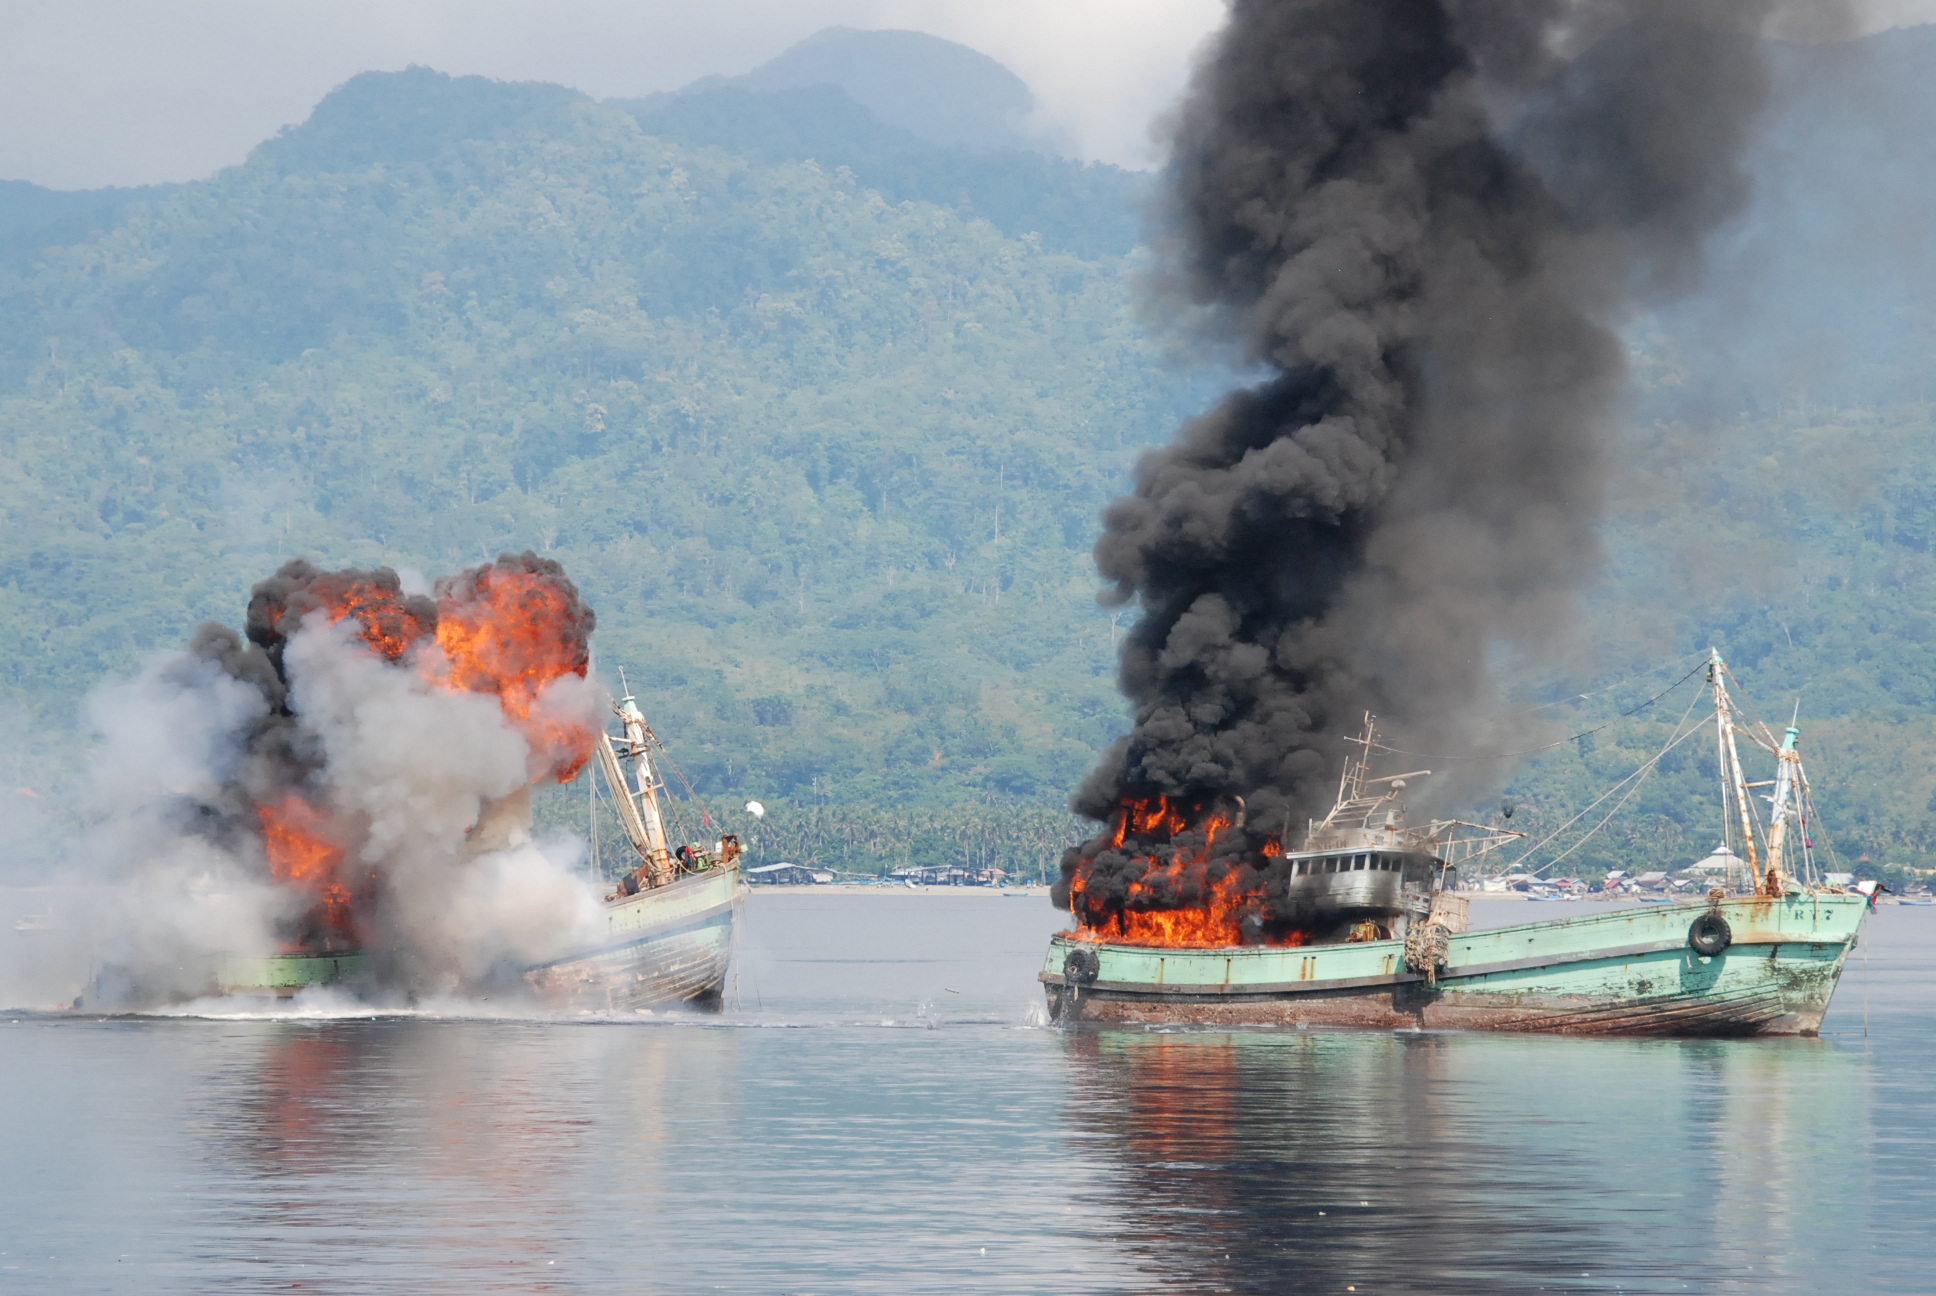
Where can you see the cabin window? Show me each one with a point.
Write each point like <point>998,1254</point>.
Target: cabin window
<point>1358,863</point>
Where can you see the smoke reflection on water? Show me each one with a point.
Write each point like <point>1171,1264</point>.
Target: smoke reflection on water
<point>431,1154</point>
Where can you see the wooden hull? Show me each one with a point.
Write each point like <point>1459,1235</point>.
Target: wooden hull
<point>667,947</point>
<point>1626,972</point>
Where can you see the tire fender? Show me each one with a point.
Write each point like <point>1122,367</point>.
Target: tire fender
<point>1080,966</point>
<point>1709,934</point>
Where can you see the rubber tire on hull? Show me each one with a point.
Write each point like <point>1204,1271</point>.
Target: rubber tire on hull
<point>1080,966</point>
<point>1709,934</point>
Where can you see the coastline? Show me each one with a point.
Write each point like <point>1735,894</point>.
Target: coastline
<point>890,889</point>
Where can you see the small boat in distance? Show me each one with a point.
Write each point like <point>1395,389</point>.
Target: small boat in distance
<point>1761,963</point>
<point>668,922</point>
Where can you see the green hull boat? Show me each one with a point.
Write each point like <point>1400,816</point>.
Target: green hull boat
<point>283,976</point>
<point>1623,972</point>
<point>1384,941</point>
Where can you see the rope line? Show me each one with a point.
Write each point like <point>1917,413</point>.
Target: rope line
<point>1682,732</point>
<point>1532,751</point>
<point>1581,697</point>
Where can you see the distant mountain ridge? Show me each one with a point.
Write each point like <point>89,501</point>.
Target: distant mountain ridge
<point>934,89</point>
<point>33,218</point>
<point>1092,210</point>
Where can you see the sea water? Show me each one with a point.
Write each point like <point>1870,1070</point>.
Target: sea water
<point>882,1109</point>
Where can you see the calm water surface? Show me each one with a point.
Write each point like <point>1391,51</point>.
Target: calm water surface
<point>883,1112</point>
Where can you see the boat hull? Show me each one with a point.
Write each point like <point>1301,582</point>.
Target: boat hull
<point>1625,972</point>
<point>667,947</point>
<point>284,975</point>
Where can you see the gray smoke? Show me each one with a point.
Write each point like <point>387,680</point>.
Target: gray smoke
<point>1426,219</point>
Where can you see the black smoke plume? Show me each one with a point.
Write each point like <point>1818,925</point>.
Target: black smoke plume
<point>1425,219</point>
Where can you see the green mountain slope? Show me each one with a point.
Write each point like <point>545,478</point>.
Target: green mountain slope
<point>827,466</point>
<point>1805,549</point>
<point>826,446</point>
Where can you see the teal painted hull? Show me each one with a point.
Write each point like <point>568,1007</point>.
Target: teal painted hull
<point>1626,972</point>
<point>286,974</point>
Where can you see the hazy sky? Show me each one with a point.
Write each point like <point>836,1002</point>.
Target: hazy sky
<point>100,92</point>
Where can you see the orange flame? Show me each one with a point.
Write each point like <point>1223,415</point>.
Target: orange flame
<point>1217,920</point>
<point>511,632</point>
<point>385,618</point>
<point>509,629</point>
<point>303,854</point>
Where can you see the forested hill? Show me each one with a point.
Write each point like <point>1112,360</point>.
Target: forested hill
<point>828,466</point>
<point>821,418</point>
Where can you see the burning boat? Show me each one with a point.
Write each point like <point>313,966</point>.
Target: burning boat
<point>1364,926</point>
<point>669,923</point>
<point>362,815</point>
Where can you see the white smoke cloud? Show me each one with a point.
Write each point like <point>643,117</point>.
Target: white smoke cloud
<point>174,730</point>
<point>429,787</point>
<point>148,896</point>
<point>421,770</point>
<point>417,762</point>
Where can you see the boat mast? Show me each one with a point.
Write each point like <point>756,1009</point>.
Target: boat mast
<point>639,806</point>
<point>1787,767</point>
<point>1732,780</point>
<point>1354,806</point>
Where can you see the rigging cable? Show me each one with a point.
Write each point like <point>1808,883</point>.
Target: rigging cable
<point>1581,697</point>
<point>705,811</point>
<point>1681,734</point>
<point>1532,751</point>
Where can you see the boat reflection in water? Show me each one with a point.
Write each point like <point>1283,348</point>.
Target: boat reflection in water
<point>1414,1162</point>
